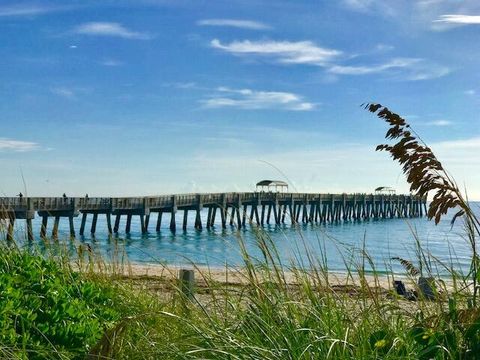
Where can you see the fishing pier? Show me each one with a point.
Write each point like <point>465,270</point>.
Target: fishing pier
<point>222,209</point>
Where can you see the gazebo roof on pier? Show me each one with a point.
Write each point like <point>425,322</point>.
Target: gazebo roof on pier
<point>385,189</point>
<point>272,182</point>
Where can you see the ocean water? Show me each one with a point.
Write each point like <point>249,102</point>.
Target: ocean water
<point>338,243</point>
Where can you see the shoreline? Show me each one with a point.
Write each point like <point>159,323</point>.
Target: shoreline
<point>237,275</point>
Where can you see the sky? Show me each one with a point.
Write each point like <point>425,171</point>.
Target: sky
<point>146,97</point>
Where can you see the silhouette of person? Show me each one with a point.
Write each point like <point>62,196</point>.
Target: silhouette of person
<point>20,195</point>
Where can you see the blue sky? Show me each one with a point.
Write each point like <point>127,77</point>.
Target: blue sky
<point>151,97</point>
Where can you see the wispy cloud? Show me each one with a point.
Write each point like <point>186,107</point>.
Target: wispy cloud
<point>241,24</point>
<point>359,5</point>
<point>253,100</point>
<point>64,92</point>
<point>286,52</point>
<point>384,47</point>
<point>402,69</point>
<point>17,145</point>
<point>110,29</point>
<point>471,143</point>
<point>363,70</point>
<point>440,123</point>
<point>308,53</point>
<point>459,19</point>
<point>426,71</point>
<point>26,10</point>
<point>388,8</point>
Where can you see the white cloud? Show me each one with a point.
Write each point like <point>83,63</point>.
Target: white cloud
<point>17,145</point>
<point>64,92</point>
<point>438,123</point>
<point>427,71</point>
<point>25,10</point>
<point>470,92</point>
<point>110,29</point>
<point>286,52</point>
<point>459,19</point>
<point>410,69</point>
<point>463,144</point>
<point>242,24</point>
<point>382,7</point>
<point>384,47</point>
<point>307,52</point>
<point>253,100</point>
<point>360,5</point>
<point>363,70</point>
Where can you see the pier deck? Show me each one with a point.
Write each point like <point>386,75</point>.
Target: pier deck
<point>236,209</point>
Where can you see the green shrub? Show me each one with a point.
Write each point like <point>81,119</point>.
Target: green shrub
<point>47,310</point>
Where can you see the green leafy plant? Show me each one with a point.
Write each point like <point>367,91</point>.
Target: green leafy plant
<point>46,309</point>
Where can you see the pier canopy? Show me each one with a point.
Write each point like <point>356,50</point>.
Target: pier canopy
<point>272,185</point>
<point>385,190</point>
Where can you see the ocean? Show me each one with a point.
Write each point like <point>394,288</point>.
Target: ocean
<point>338,245</point>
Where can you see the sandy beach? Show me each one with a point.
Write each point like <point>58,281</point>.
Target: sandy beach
<point>238,275</point>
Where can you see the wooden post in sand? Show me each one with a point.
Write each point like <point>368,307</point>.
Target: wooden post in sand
<point>187,282</point>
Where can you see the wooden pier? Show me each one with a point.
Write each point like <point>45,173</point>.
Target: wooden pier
<point>234,209</point>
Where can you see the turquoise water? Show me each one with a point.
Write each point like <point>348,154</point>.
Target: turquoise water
<point>383,239</point>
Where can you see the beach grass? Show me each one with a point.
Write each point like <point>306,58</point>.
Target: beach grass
<point>63,307</point>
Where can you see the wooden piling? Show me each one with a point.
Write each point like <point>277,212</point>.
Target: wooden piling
<point>29,229</point>
<point>257,218</point>
<point>93,228</point>
<point>214,214</point>
<point>128,224</point>
<point>117,224</point>
<point>43,230</point>
<point>209,218</point>
<point>173,224</point>
<point>291,210</point>
<point>239,217</point>
<point>223,216</point>
<point>10,230</point>
<point>147,222</point>
<point>109,223</point>
<point>262,217</point>
<point>232,216</point>
<point>185,217</point>
<point>159,221</point>
<point>82,225</point>
<point>71,226</point>
<point>55,227</point>
<point>198,220</point>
